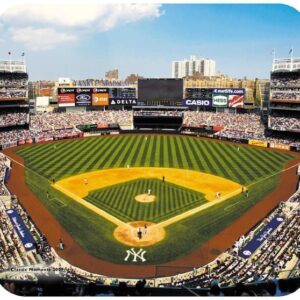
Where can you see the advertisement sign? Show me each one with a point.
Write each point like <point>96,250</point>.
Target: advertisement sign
<point>258,143</point>
<point>123,102</point>
<point>219,101</point>
<point>66,97</point>
<point>194,102</point>
<point>230,91</point>
<point>100,99</point>
<point>280,146</point>
<point>262,236</point>
<point>22,231</point>
<point>236,101</point>
<point>83,96</point>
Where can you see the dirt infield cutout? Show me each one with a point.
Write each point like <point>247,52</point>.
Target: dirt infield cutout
<point>77,187</point>
<point>150,234</point>
<point>145,198</point>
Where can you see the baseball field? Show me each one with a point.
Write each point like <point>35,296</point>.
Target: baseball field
<point>179,191</point>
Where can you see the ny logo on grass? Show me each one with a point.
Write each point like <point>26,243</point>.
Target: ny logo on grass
<point>139,254</point>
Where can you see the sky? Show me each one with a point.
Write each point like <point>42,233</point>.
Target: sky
<point>84,41</point>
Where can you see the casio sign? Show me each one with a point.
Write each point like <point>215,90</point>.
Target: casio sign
<point>83,97</point>
<point>198,102</point>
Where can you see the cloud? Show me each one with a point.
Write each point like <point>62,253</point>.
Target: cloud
<point>40,38</point>
<point>105,16</point>
<point>43,26</point>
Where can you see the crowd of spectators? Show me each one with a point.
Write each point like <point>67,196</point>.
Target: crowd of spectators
<point>50,121</point>
<point>285,95</point>
<point>12,137</point>
<point>229,121</point>
<point>13,93</point>
<point>285,124</point>
<point>284,82</point>
<point>158,113</point>
<point>11,119</point>
<point>13,82</point>
<point>3,167</point>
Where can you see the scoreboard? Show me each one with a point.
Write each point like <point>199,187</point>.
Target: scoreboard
<point>122,93</point>
<point>96,96</point>
<point>197,93</point>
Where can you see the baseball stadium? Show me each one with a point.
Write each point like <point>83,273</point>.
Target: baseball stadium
<point>150,187</point>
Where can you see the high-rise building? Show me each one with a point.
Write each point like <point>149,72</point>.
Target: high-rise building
<point>185,68</point>
<point>112,74</point>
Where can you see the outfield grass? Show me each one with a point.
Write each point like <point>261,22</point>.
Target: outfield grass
<point>171,200</point>
<point>249,166</point>
<point>65,158</point>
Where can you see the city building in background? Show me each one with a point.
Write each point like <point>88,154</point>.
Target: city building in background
<point>112,75</point>
<point>194,65</point>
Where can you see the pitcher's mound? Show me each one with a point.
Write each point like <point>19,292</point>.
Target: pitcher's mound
<point>145,198</point>
<point>128,234</point>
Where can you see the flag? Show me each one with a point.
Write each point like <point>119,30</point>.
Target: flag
<point>23,54</point>
<point>291,51</point>
<point>9,53</point>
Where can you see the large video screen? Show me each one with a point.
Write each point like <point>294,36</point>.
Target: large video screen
<point>13,86</point>
<point>168,91</point>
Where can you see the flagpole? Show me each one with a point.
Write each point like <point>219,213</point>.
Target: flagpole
<point>273,52</point>
<point>291,53</point>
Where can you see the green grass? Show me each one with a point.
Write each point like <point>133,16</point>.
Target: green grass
<point>65,158</point>
<point>171,200</point>
<point>249,166</point>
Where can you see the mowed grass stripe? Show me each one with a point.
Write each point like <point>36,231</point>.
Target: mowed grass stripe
<point>233,170</point>
<point>153,151</point>
<point>208,167</point>
<point>60,167</point>
<point>86,162</point>
<point>120,159</point>
<point>161,152</point>
<point>269,158</point>
<point>198,160</point>
<point>158,154</point>
<point>111,152</point>
<point>242,175</point>
<point>255,161</point>
<point>210,157</point>
<point>181,156</point>
<point>113,158</point>
<point>245,175</point>
<point>133,153</point>
<point>186,153</point>
<point>94,155</point>
<point>44,156</point>
<point>147,154</point>
<point>72,159</point>
<point>219,158</point>
<point>141,153</point>
<point>173,156</point>
<point>103,151</point>
<point>64,154</point>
